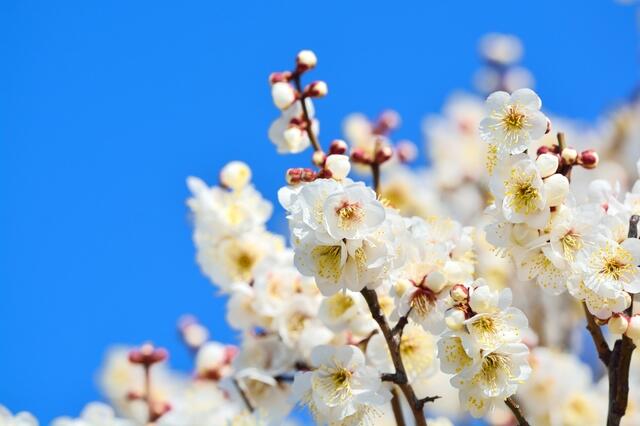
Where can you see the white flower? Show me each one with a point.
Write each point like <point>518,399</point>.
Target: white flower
<point>93,414</point>
<point>599,305</point>
<point>213,360</point>
<point>346,310</point>
<point>495,322</point>
<point>299,327</point>
<point>218,213</point>
<point>353,212</point>
<point>513,121</point>
<point>341,388</point>
<point>289,138</point>
<point>235,175</point>
<point>417,349</point>
<point>338,165</point>
<point>283,94</point>
<point>609,267</point>
<point>521,192</point>
<point>501,48</point>
<point>492,378</point>
<point>20,419</point>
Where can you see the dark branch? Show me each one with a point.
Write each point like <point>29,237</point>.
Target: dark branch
<point>604,353</point>
<point>515,409</point>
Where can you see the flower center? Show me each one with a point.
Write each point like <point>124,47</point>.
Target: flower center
<point>328,260</point>
<point>513,119</point>
<point>571,243</point>
<point>422,300</point>
<point>523,195</point>
<point>349,214</point>
<point>339,303</point>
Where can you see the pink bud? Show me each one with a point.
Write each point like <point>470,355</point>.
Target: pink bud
<point>359,156</point>
<point>279,77</point>
<point>588,159</point>
<point>306,60</point>
<point>317,89</point>
<point>384,153</point>
<point>338,146</point>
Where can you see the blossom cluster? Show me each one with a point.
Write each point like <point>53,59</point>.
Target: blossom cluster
<point>404,295</point>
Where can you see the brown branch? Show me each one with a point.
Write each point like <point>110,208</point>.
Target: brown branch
<point>515,409</point>
<point>400,375</point>
<point>602,347</point>
<point>375,172</point>
<point>305,113</point>
<point>397,408</point>
<point>401,324</point>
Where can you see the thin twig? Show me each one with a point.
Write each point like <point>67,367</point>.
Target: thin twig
<point>400,375</point>
<point>397,408</point>
<point>375,172</point>
<point>401,324</point>
<point>515,409</point>
<point>602,347</point>
<point>305,113</point>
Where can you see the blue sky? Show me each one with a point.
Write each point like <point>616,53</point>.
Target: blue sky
<point>107,107</point>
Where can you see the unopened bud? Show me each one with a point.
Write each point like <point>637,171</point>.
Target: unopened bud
<point>308,175</point>
<point>618,323</point>
<point>338,165</point>
<point>569,156</point>
<point>283,95</point>
<point>407,151</point>
<point>338,146</point>
<point>317,89</point>
<point>633,330</point>
<point>147,354</point>
<point>547,164</point>
<point>543,149</point>
<point>556,188</point>
<point>277,77</point>
<point>235,175</point>
<point>454,318</point>
<point>383,154</point>
<point>293,176</point>
<point>387,121</point>
<point>318,158</point>
<point>359,156</point>
<point>459,293</point>
<point>306,60</point>
<point>588,159</point>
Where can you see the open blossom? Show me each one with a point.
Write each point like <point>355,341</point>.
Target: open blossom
<point>94,414</point>
<point>495,322</point>
<point>339,234</point>
<point>286,132</point>
<point>341,387</point>
<point>20,419</point>
<point>513,121</point>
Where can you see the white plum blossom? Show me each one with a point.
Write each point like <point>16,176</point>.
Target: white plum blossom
<point>22,418</point>
<point>341,387</point>
<point>93,414</point>
<point>513,121</point>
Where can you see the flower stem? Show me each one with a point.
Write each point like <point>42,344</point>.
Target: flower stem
<point>305,113</point>
<point>397,408</point>
<point>515,409</point>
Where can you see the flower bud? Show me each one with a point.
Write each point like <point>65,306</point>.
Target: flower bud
<point>459,293</point>
<point>618,324</point>
<point>387,121</point>
<point>338,165</point>
<point>338,146</point>
<point>317,89</point>
<point>407,151</point>
<point>308,175</point>
<point>547,164</point>
<point>147,355</point>
<point>383,154</point>
<point>276,77</point>
<point>556,188</point>
<point>454,318</point>
<point>435,281</point>
<point>588,159</point>
<point>633,330</point>
<point>235,175</point>
<point>318,158</point>
<point>569,156</point>
<point>293,176</point>
<point>283,95</point>
<point>305,60</point>
<point>359,156</point>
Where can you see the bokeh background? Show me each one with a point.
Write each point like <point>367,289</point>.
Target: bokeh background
<point>106,108</point>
